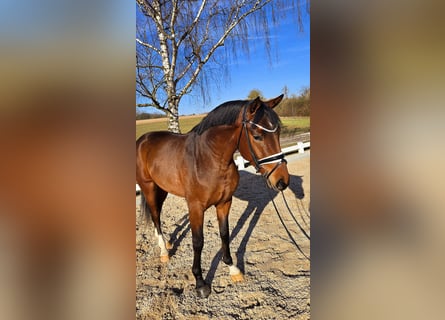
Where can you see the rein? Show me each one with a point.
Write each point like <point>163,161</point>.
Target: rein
<point>287,229</point>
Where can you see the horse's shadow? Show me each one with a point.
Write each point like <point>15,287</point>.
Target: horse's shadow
<point>253,189</point>
<point>180,232</point>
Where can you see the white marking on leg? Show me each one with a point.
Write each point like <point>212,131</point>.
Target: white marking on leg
<point>161,244</point>
<point>233,270</point>
<point>235,274</point>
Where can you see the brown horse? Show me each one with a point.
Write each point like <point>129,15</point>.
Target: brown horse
<point>199,166</point>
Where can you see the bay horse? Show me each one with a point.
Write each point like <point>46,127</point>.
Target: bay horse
<point>199,166</point>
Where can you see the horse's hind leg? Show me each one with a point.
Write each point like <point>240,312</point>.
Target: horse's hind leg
<point>154,197</point>
<point>222,211</point>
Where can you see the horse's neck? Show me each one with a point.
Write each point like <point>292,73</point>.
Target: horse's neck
<point>219,142</point>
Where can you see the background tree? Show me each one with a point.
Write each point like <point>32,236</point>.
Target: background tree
<point>286,92</point>
<point>296,105</point>
<point>255,93</point>
<point>178,40</point>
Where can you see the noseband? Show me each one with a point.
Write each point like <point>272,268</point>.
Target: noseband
<point>277,158</point>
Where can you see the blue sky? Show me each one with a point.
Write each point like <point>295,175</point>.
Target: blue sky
<point>290,66</point>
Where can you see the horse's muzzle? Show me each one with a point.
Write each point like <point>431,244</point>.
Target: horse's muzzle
<point>281,185</point>
<point>282,176</point>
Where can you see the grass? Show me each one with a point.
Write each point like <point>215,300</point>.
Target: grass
<point>186,124</point>
<point>295,125</point>
<point>291,125</point>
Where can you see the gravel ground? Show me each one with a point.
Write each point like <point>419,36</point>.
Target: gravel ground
<point>277,275</point>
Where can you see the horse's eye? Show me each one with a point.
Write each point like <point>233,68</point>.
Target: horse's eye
<point>258,138</point>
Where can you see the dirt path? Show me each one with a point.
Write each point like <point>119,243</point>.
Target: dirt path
<point>277,276</point>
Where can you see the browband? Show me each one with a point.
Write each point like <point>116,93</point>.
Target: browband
<point>263,128</point>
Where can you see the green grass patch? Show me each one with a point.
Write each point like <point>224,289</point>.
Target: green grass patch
<point>186,124</point>
<point>295,125</point>
<point>291,125</point>
<point>149,127</point>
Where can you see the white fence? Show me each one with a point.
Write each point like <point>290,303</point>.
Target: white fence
<point>299,147</point>
<point>240,162</point>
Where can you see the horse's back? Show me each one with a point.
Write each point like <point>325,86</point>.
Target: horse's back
<point>158,159</point>
<point>159,136</point>
<point>158,141</point>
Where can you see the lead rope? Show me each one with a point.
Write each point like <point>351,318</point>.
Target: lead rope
<point>300,203</point>
<point>286,228</point>
<point>293,217</point>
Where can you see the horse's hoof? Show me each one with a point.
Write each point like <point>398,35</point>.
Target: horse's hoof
<point>204,291</point>
<point>165,259</point>
<point>168,245</point>
<point>237,277</point>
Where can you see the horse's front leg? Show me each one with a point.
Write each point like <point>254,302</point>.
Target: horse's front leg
<point>222,211</point>
<point>196,222</point>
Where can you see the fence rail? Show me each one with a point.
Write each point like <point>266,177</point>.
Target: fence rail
<point>299,147</point>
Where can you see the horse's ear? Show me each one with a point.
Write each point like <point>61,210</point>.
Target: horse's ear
<point>254,105</point>
<point>272,103</point>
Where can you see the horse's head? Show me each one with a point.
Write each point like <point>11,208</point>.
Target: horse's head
<point>259,141</point>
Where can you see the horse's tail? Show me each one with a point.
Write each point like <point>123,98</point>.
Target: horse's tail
<point>145,212</point>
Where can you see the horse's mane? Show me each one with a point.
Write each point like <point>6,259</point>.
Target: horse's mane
<point>227,113</point>
<point>224,114</point>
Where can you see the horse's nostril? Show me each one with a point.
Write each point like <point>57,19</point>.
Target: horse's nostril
<point>281,185</point>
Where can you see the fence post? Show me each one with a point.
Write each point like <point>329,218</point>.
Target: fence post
<point>239,161</point>
<point>300,147</point>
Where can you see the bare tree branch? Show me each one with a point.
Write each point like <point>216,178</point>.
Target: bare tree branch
<point>177,39</point>
<point>258,5</point>
<point>148,46</point>
<point>194,22</point>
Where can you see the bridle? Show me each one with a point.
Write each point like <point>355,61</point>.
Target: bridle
<point>277,158</point>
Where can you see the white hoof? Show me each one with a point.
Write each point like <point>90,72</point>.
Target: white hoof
<point>235,274</point>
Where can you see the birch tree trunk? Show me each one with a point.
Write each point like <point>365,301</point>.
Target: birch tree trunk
<point>173,118</point>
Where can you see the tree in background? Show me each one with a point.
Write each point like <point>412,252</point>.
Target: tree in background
<point>286,92</point>
<point>254,93</point>
<point>182,45</point>
<point>295,105</point>
<point>146,115</point>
